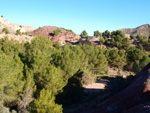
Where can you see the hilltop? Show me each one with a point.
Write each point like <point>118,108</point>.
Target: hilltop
<point>63,36</point>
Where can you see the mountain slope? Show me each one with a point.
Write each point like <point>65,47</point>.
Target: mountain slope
<point>141,30</point>
<point>12,27</point>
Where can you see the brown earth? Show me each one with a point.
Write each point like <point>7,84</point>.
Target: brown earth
<point>62,38</point>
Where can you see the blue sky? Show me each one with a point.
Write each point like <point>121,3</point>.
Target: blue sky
<point>78,15</point>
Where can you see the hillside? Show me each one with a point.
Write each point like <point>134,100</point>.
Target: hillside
<point>133,99</point>
<point>63,37</point>
<point>12,27</point>
<point>44,73</point>
<point>141,30</point>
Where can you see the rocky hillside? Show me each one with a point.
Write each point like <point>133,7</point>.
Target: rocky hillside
<point>19,38</point>
<point>141,30</point>
<point>134,99</point>
<point>12,27</point>
<point>63,37</point>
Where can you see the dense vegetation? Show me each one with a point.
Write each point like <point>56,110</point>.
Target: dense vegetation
<point>33,74</point>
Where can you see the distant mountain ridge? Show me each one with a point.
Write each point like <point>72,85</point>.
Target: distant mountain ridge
<point>12,27</point>
<point>141,30</point>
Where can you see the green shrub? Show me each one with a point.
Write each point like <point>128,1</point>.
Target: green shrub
<point>5,30</point>
<point>57,32</point>
<point>18,32</point>
<point>87,38</point>
<point>101,41</point>
<point>96,33</point>
<point>83,34</point>
<point>132,37</point>
<point>87,78</point>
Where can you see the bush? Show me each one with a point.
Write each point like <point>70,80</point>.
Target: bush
<point>119,40</point>
<point>57,32</point>
<point>72,92</point>
<point>88,78</point>
<point>87,38</point>
<point>83,34</point>
<point>5,30</point>
<point>68,30</point>
<point>132,37</point>
<point>101,41</point>
<point>18,32</point>
<point>96,33</point>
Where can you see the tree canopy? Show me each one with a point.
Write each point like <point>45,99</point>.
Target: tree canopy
<point>84,33</point>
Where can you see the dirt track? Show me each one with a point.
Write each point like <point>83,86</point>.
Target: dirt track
<point>95,87</point>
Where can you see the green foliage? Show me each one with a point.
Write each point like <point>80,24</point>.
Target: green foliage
<point>18,32</point>
<point>65,58</point>
<point>11,77</point>
<point>27,69</point>
<point>87,38</point>
<point>126,43</point>
<point>57,32</point>
<point>119,40</point>
<point>135,56</point>
<point>148,43</point>
<point>116,58</point>
<point>106,34</point>
<point>32,74</point>
<point>96,33</point>
<point>140,47</point>
<point>84,33</point>
<point>5,30</point>
<point>68,30</point>
<point>101,41</point>
<point>132,37</point>
<point>142,39</point>
<point>45,103</point>
<point>97,62</point>
<point>73,91</point>
<point>88,78</point>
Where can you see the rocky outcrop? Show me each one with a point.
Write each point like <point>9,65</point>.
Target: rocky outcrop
<point>62,38</point>
<point>141,30</point>
<point>12,27</point>
<point>133,99</point>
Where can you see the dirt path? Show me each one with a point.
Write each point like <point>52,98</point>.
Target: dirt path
<point>95,87</point>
